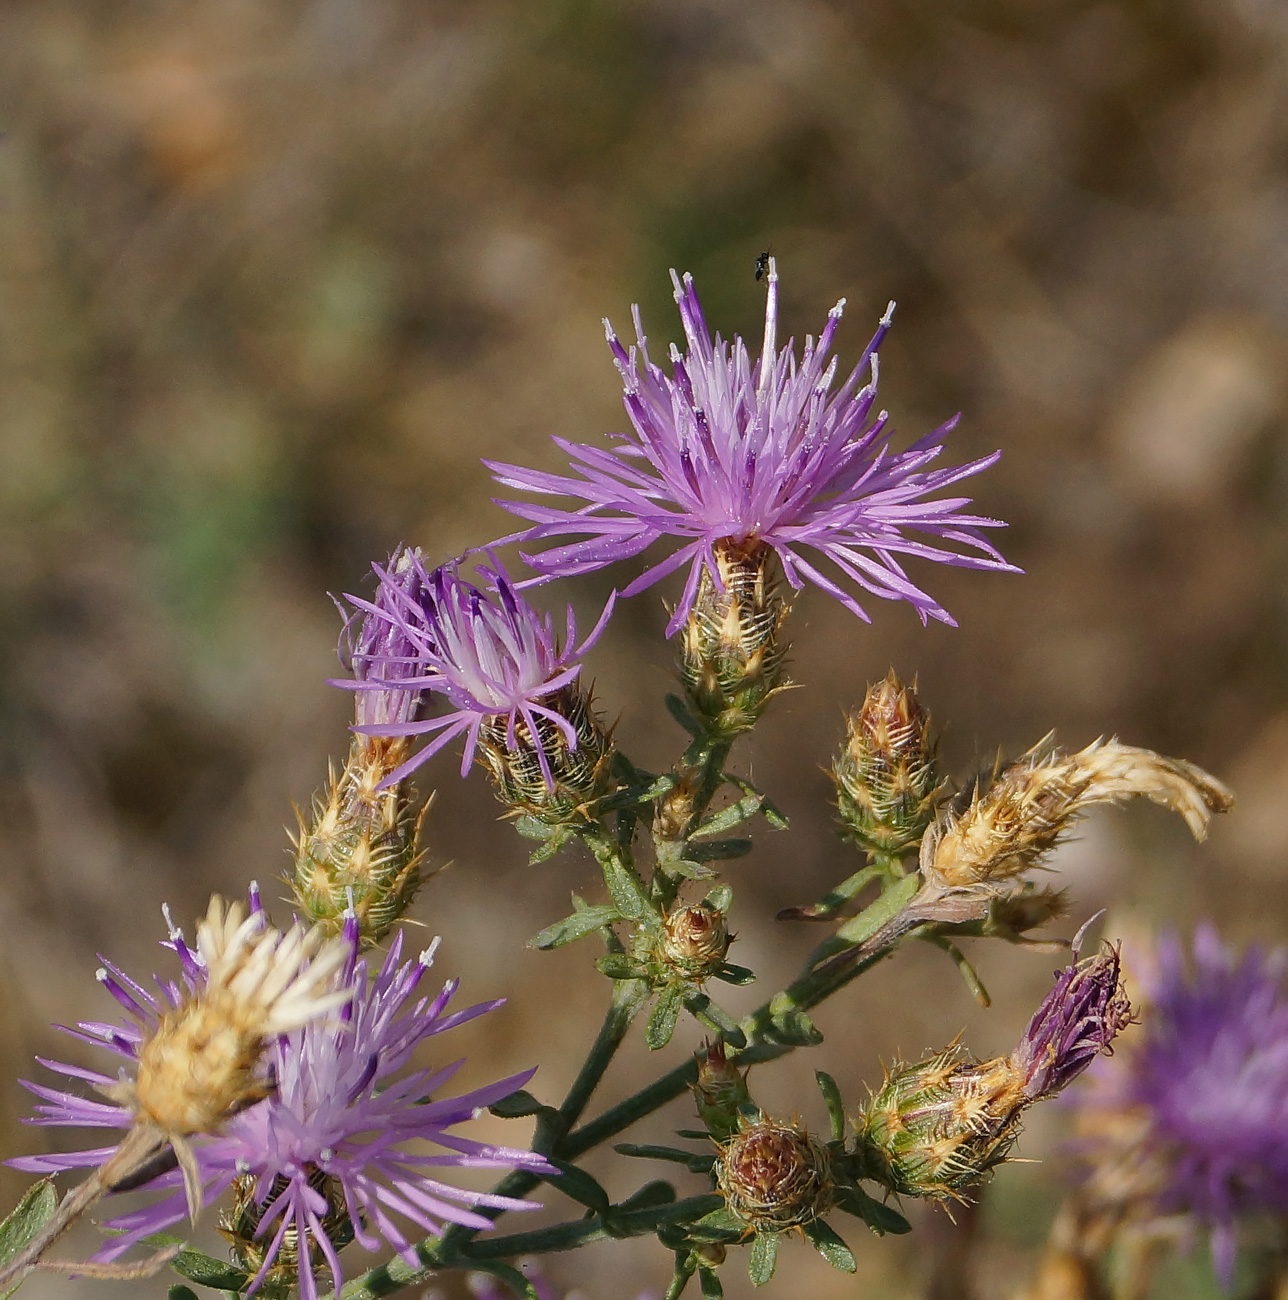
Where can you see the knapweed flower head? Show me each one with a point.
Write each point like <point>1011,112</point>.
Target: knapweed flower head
<point>377,648</point>
<point>493,659</point>
<point>359,848</point>
<point>323,1157</point>
<point>1012,824</point>
<point>197,1045</point>
<point>1191,1118</point>
<point>935,1128</point>
<point>727,450</point>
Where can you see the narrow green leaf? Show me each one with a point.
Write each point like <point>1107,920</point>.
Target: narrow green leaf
<point>727,818</point>
<point>768,809</point>
<point>830,1245</point>
<point>715,1018</point>
<point>793,1028</point>
<point>579,1186</point>
<point>891,902</point>
<point>881,1218</point>
<point>531,828</point>
<point>26,1219</point>
<point>574,927</point>
<point>689,868</point>
<point>764,1258</point>
<point>698,1162</point>
<point>176,1292</point>
<point>661,1024</point>
<point>720,1225</point>
<point>517,1105</point>
<point>635,795</point>
<point>648,1197</point>
<point>203,1269</point>
<point>620,966</point>
<point>684,1267</point>
<point>732,974</point>
<point>963,964</point>
<point>624,886</point>
<point>709,1280</point>
<point>550,847</point>
<point>677,708</point>
<point>720,897</point>
<point>832,1099</point>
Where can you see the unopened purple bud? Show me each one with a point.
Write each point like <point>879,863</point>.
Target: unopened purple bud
<point>1077,1021</point>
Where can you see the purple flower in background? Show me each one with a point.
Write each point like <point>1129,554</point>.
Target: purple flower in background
<point>489,654</point>
<point>763,452</point>
<point>1193,1117</point>
<point>1077,1021</point>
<point>328,1147</point>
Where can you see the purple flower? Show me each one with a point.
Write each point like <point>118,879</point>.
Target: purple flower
<point>378,651</point>
<point>1202,1091</point>
<point>1077,1021</point>
<point>489,654</point>
<point>724,449</point>
<point>328,1145</point>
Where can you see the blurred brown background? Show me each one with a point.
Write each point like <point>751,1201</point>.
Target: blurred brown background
<point>273,277</point>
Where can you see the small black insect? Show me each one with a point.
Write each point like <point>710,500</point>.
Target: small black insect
<point>762,264</point>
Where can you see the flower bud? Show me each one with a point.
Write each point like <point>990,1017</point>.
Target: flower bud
<point>1011,826</point>
<point>886,775</point>
<point>240,1226</point>
<point>361,846</point>
<point>1077,1021</point>
<point>720,1091</point>
<point>731,658</point>
<point>544,775</point>
<point>941,1125</point>
<point>775,1176</point>
<point>695,939</point>
<point>936,1127</point>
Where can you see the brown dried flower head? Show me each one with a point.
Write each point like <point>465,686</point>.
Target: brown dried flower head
<point>695,939</point>
<point>1010,827</point>
<point>775,1176</point>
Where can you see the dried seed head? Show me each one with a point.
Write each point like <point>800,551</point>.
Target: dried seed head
<point>200,1066</point>
<point>1010,827</point>
<point>695,939</point>
<point>885,775</point>
<point>775,1176</point>
<point>731,657</point>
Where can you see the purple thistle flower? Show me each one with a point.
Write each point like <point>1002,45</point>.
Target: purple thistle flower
<point>489,654</point>
<point>1077,1022</point>
<point>337,1116</point>
<point>1203,1089</point>
<point>728,450</point>
<point>377,650</point>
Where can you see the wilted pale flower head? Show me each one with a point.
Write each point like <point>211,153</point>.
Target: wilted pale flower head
<point>489,655</point>
<point>329,1145</point>
<point>1192,1118</point>
<point>765,452</point>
